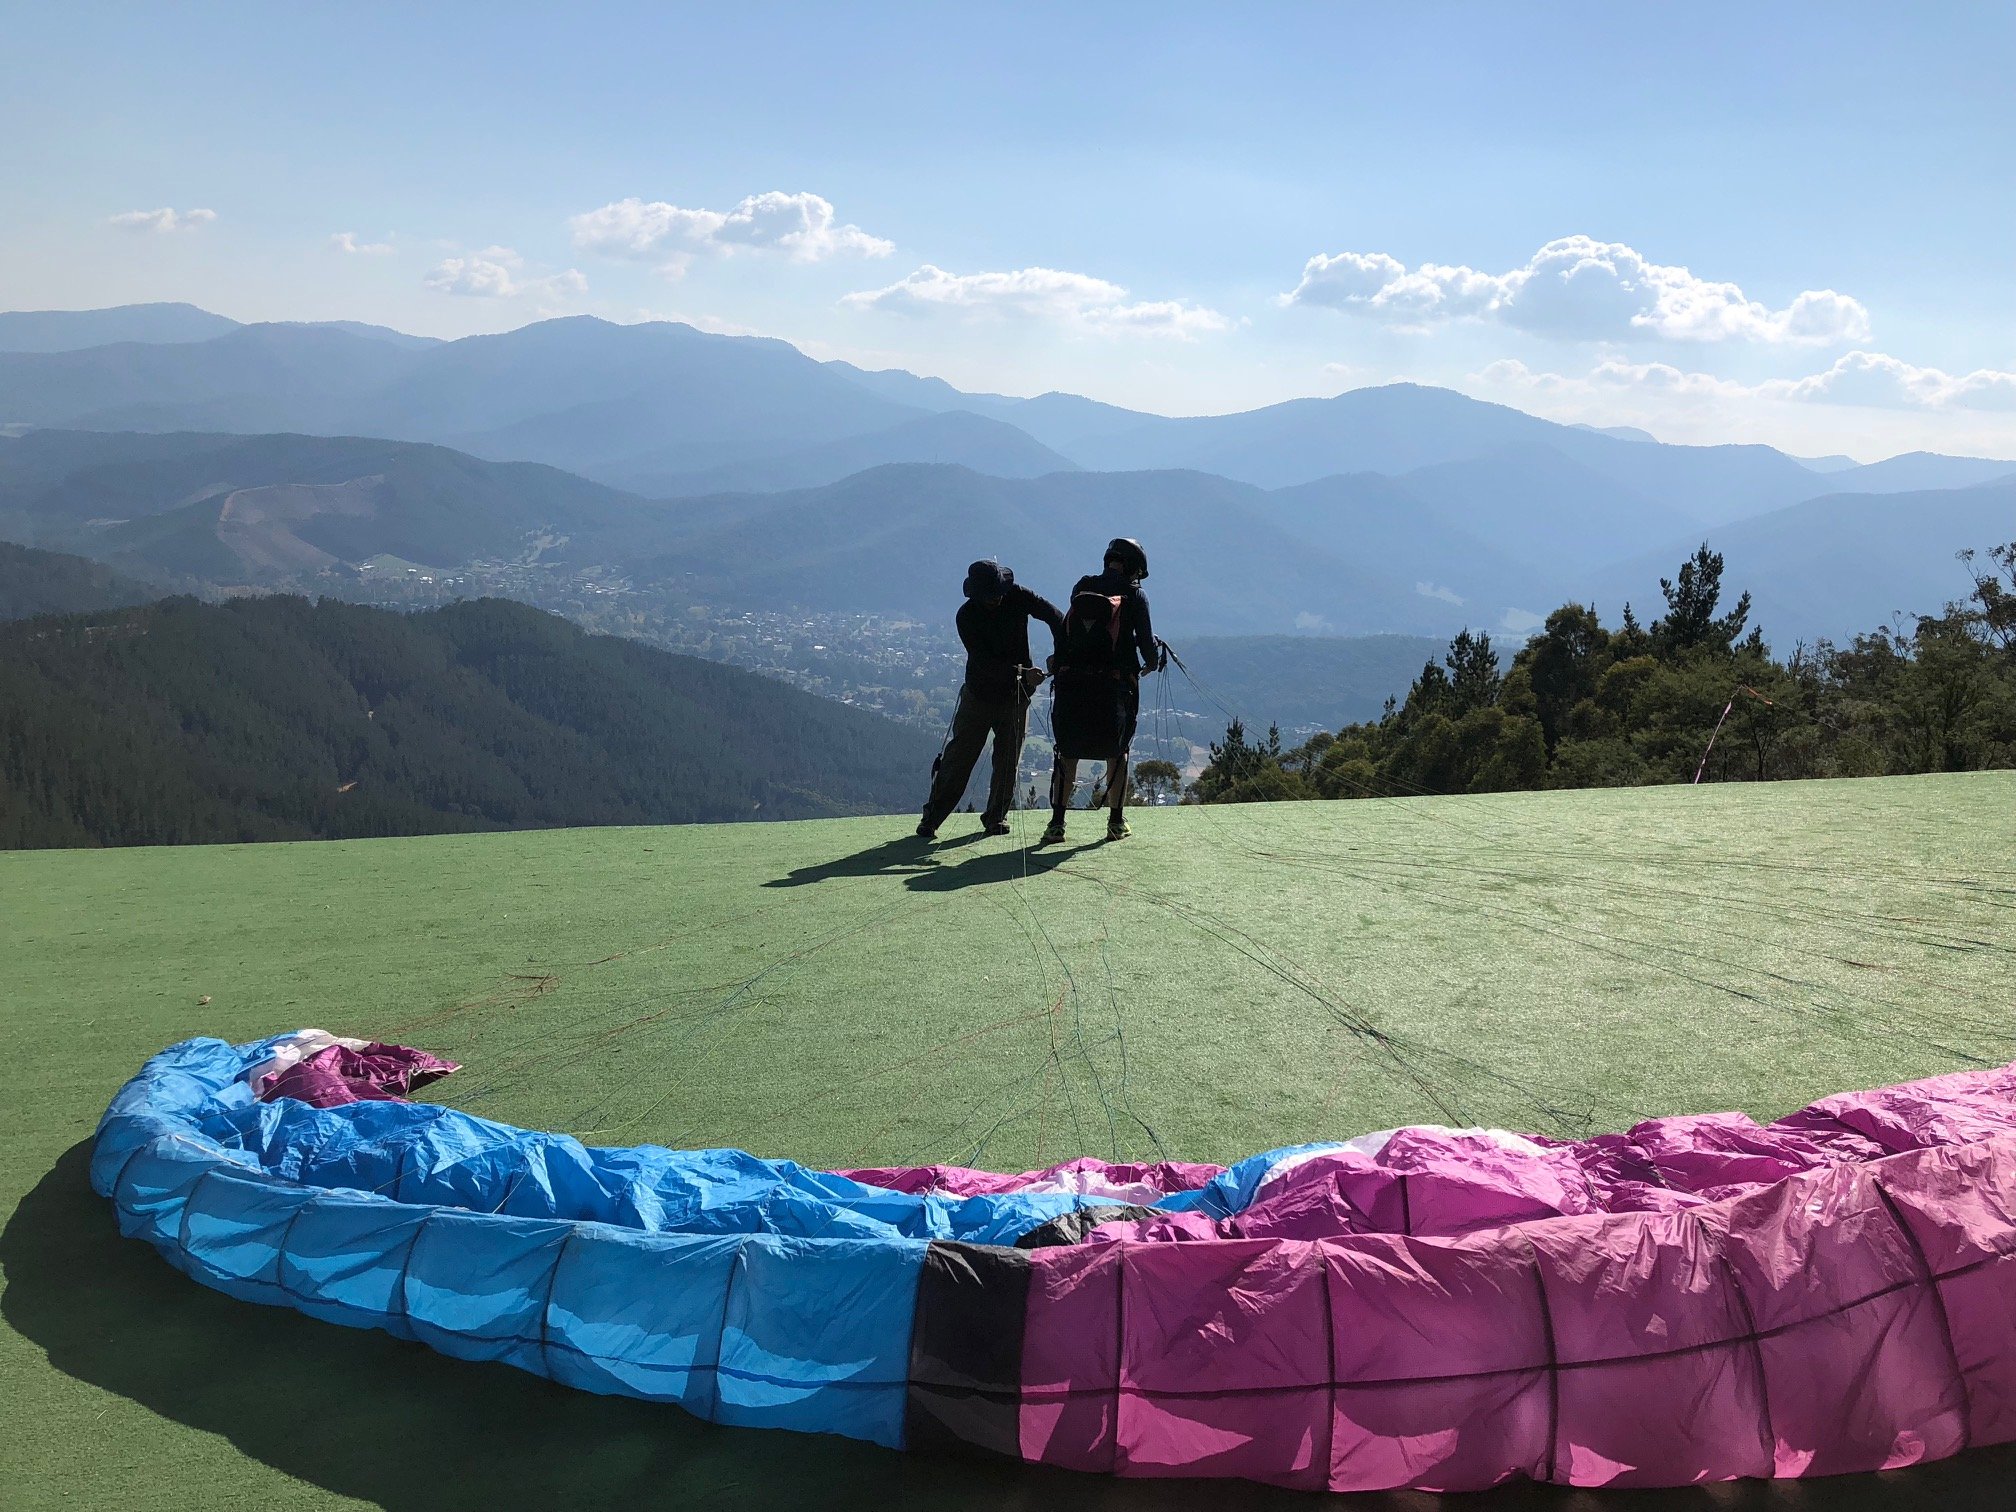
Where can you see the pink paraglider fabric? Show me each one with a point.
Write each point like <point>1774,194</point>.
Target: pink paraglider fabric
<point>339,1074</point>
<point>1698,1299</point>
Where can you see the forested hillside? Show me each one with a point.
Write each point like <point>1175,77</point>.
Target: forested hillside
<point>1696,694</point>
<point>49,582</point>
<point>281,719</point>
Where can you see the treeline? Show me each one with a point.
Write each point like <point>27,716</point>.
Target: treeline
<point>279,719</point>
<point>1587,705</point>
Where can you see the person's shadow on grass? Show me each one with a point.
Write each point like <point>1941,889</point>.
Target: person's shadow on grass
<point>919,862</point>
<point>905,856</point>
<point>397,1426</point>
<point>1016,865</point>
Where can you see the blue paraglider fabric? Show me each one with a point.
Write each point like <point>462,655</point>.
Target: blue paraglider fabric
<point>749,1291</point>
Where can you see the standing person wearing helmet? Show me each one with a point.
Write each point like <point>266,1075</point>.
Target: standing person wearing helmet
<point>1106,644</point>
<point>994,700</point>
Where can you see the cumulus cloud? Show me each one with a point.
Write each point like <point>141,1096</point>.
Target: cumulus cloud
<point>1871,379</point>
<point>346,241</point>
<point>800,227</point>
<point>498,273</point>
<point>1028,291</point>
<point>1073,299</point>
<point>644,315</point>
<point>1510,372</point>
<point>1575,288</point>
<point>1663,377</point>
<point>1161,317</point>
<point>1874,378</point>
<point>1346,279</point>
<point>479,277</point>
<point>164,220</point>
<point>1652,378</point>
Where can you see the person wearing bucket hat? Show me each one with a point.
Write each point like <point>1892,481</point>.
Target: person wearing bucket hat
<point>993,625</point>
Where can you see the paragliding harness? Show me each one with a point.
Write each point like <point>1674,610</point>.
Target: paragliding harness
<point>1095,705</point>
<point>1091,638</point>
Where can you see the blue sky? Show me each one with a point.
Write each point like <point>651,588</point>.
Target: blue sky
<point>1782,223</point>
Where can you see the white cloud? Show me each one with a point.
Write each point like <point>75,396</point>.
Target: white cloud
<point>1028,291</point>
<point>1663,377</point>
<point>1653,379</point>
<point>801,227</point>
<point>710,323</point>
<point>481,277</point>
<point>1347,278</point>
<point>1162,317</point>
<point>1982,389</point>
<point>1575,288</point>
<point>1510,372</point>
<point>495,273</point>
<point>1072,299</point>
<point>163,220</point>
<point>1438,591</point>
<point>346,241</point>
<point>1870,379</point>
<point>1875,379</point>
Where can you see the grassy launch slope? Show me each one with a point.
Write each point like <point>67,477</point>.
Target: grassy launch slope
<point>1227,980</point>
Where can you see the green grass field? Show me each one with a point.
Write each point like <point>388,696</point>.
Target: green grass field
<point>1227,980</point>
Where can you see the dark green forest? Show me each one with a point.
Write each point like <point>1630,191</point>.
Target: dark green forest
<point>50,582</point>
<point>1583,704</point>
<point>277,718</point>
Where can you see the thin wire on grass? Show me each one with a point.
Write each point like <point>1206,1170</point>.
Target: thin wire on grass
<point>1660,945</point>
<point>1438,1077</point>
<point>1418,864</point>
<point>1835,1019</point>
<point>1779,910</point>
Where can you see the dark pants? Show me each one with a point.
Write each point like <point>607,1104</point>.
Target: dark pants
<point>973,721</point>
<point>1064,769</point>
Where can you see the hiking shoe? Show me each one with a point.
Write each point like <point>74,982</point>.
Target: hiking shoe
<point>995,827</point>
<point>1053,835</point>
<point>1116,828</point>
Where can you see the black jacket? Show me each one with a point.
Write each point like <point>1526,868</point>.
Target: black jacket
<point>997,638</point>
<point>1136,651</point>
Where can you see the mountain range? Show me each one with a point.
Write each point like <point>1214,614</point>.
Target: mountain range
<point>1345,555</point>
<point>746,472</point>
<point>659,404</point>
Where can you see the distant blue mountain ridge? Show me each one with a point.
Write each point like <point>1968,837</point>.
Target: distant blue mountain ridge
<point>1397,508</point>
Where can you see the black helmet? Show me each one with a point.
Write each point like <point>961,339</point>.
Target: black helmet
<point>988,579</point>
<point>1128,553</point>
